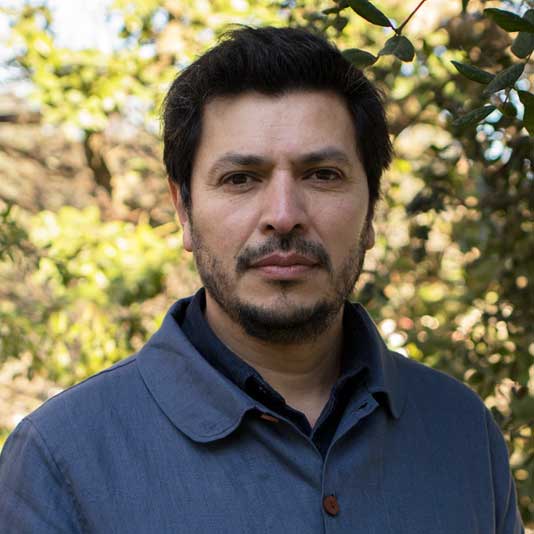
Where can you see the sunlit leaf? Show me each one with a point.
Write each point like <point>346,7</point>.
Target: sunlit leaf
<point>505,79</point>
<point>473,73</point>
<point>509,21</point>
<point>400,47</point>
<point>369,12</point>
<point>359,58</point>
<point>473,117</point>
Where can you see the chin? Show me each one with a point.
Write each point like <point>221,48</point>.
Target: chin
<point>283,291</point>
<point>284,321</point>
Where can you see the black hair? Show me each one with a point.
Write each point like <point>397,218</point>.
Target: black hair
<point>271,61</point>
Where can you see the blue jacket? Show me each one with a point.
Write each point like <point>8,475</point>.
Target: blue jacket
<point>163,443</point>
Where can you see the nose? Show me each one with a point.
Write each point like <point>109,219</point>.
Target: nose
<point>283,206</point>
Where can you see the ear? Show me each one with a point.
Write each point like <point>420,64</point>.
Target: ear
<point>183,215</point>
<point>369,237</point>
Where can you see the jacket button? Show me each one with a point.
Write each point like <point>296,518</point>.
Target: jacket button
<point>330,505</point>
<point>269,417</point>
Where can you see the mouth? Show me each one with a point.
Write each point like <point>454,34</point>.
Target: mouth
<point>284,266</point>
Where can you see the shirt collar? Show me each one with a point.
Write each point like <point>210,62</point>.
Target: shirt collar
<point>203,338</point>
<point>206,405</point>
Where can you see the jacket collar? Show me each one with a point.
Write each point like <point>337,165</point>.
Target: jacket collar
<point>384,375</point>
<point>204,404</point>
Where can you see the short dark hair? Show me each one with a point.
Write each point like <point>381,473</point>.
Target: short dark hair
<point>271,61</point>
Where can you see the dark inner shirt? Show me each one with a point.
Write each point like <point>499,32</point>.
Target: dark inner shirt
<point>353,371</point>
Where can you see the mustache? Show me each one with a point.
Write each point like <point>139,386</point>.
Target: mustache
<point>287,243</point>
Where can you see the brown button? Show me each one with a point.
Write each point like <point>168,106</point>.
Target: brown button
<point>331,505</point>
<point>268,417</point>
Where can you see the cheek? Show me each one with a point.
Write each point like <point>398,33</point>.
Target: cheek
<point>225,229</point>
<point>340,225</point>
<point>342,216</point>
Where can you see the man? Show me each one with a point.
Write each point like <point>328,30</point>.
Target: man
<point>266,402</point>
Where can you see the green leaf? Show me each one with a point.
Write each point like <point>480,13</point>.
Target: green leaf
<point>508,110</point>
<point>400,47</point>
<point>505,79</point>
<point>527,99</point>
<point>331,10</point>
<point>340,23</point>
<point>509,21</point>
<point>359,58</point>
<point>464,5</point>
<point>473,73</point>
<point>341,5</point>
<point>473,117</point>
<point>524,42</point>
<point>369,12</point>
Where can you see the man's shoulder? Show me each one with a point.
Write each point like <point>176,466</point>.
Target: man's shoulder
<point>435,390</point>
<point>91,397</point>
<point>409,381</point>
<point>417,372</point>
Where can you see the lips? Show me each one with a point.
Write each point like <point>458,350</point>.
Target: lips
<point>284,260</point>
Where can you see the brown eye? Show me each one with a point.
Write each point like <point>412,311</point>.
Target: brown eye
<point>238,179</point>
<point>324,175</point>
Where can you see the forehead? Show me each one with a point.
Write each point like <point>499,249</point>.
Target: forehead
<point>276,127</point>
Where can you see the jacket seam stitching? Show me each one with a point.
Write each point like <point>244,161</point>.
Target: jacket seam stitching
<point>79,516</point>
<point>105,371</point>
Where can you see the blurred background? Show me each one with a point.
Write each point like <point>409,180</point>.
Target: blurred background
<point>91,255</point>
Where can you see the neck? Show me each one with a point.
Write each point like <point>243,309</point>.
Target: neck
<point>303,373</point>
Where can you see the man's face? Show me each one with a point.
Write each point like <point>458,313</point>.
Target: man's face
<point>278,221</point>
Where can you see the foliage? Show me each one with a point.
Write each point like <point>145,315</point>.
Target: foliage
<point>450,281</point>
<point>82,88</point>
<point>79,306</point>
<point>11,234</point>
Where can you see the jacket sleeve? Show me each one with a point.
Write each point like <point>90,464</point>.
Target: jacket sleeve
<point>34,495</point>
<point>507,518</point>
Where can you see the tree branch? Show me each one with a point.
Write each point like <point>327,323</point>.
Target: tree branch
<point>400,28</point>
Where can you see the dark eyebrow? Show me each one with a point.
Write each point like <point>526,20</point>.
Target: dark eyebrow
<point>325,154</point>
<point>239,160</point>
<point>253,160</point>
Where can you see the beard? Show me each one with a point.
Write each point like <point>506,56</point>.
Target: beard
<point>284,322</point>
